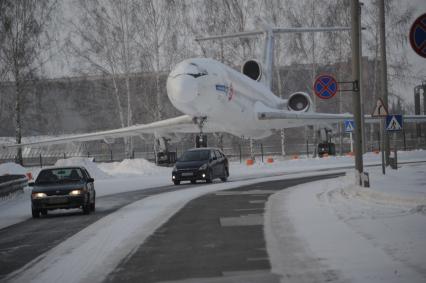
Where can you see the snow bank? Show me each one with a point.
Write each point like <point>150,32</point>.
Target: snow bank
<point>130,167</point>
<point>11,168</point>
<point>356,234</point>
<point>92,167</point>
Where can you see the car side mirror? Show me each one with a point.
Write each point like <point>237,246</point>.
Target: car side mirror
<point>31,184</point>
<point>90,180</point>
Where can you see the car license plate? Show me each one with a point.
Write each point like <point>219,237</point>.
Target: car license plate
<point>57,200</point>
<point>186,174</point>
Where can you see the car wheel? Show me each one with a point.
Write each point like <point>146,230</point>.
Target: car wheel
<point>176,182</point>
<point>92,206</point>
<point>209,177</point>
<point>193,181</point>
<point>44,212</point>
<point>86,206</point>
<point>35,212</point>
<point>225,175</point>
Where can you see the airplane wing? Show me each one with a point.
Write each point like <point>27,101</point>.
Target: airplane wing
<point>181,124</point>
<point>276,117</point>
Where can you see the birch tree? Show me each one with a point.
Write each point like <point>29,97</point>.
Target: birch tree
<point>104,37</point>
<point>24,28</point>
<point>398,18</point>
<point>157,23</point>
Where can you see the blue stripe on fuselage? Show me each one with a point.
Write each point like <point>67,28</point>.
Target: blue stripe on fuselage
<point>222,88</point>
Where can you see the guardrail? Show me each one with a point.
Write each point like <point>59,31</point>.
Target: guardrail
<point>12,183</point>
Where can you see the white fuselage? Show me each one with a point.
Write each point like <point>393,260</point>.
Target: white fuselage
<point>207,88</point>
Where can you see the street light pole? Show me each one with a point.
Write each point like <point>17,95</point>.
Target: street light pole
<point>383,74</point>
<point>355,36</point>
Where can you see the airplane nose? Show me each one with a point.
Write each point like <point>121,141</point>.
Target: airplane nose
<point>182,88</point>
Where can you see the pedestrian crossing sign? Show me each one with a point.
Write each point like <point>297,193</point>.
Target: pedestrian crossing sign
<point>349,126</point>
<point>394,123</point>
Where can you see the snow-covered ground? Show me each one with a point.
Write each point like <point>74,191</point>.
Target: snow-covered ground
<point>367,235</point>
<point>372,234</point>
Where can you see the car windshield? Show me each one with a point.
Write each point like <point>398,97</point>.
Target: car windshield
<point>195,155</point>
<point>59,175</point>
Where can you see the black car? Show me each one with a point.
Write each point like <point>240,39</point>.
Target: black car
<point>201,164</point>
<point>62,187</point>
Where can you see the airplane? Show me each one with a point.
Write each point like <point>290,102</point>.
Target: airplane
<point>216,98</point>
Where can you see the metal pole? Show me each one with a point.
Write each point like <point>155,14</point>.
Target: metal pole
<point>282,142</point>
<point>355,36</point>
<point>251,149</point>
<point>340,138</point>
<point>378,141</point>
<point>307,148</point>
<point>405,140</point>
<point>424,99</point>
<point>417,109</point>
<point>384,72</point>
<point>361,91</point>
<point>395,155</point>
<point>241,158</point>
<point>382,130</point>
<point>314,127</point>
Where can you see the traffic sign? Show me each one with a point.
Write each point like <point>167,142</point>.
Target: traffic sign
<point>349,126</point>
<point>325,86</point>
<point>380,110</point>
<point>418,35</point>
<point>393,123</point>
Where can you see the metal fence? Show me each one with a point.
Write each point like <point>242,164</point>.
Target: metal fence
<point>237,150</point>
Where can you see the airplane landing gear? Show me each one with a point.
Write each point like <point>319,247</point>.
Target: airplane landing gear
<point>163,156</point>
<point>200,139</point>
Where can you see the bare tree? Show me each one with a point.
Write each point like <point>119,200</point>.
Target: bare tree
<point>104,38</point>
<point>398,18</point>
<point>24,29</point>
<point>157,23</point>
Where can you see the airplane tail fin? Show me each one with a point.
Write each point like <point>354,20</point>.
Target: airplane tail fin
<point>268,49</point>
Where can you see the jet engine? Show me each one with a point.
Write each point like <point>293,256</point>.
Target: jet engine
<point>299,102</point>
<point>252,69</point>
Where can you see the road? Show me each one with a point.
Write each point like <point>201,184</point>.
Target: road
<point>22,242</point>
<point>219,235</point>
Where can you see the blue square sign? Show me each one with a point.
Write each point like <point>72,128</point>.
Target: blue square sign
<point>349,126</point>
<point>393,123</point>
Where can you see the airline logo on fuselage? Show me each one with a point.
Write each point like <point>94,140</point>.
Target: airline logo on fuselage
<point>227,90</point>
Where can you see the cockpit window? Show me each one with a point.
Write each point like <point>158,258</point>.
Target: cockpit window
<point>200,71</point>
<point>191,69</point>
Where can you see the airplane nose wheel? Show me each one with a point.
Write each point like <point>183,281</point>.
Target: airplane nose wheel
<point>200,139</point>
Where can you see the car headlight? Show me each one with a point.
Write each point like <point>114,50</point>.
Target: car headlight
<point>39,195</point>
<point>76,192</point>
<point>203,167</point>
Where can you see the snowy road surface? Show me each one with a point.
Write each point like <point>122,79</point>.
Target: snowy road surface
<point>387,221</point>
